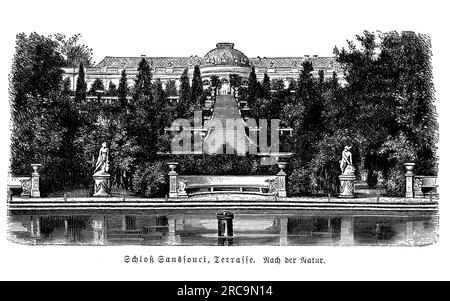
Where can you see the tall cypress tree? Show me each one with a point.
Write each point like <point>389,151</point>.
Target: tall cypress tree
<point>80,92</point>
<point>253,87</point>
<point>197,87</point>
<point>122,91</point>
<point>143,81</point>
<point>182,107</point>
<point>265,89</point>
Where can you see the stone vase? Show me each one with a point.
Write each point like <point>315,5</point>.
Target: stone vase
<point>102,185</point>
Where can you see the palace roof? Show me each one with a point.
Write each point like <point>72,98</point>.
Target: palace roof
<point>184,62</point>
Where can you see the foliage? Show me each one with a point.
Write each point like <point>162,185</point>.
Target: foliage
<point>196,89</point>
<point>391,99</point>
<point>123,90</point>
<point>253,88</point>
<point>150,180</point>
<point>171,88</point>
<point>97,85</point>
<point>80,90</point>
<point>385,111</point>
<point>73,52</point>
<point>183,108</point>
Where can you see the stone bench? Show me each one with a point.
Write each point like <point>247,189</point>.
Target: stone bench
<point>235,187</point>
<point>200,185</point>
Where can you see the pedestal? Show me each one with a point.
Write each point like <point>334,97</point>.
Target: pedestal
<point>35,192</point>
<point>281,175</point>
<point>347,186</point>
<point>173,180</point>
<point>409,178</point>
<point>102,185</point>
<point>182,194</point>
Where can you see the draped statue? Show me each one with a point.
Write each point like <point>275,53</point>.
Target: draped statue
<point>346,162</point>
<point>102,165</point>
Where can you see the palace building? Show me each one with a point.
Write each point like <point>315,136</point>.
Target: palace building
<point>221,61</point>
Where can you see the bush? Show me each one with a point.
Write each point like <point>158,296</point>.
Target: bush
<point>151,180</point>
<point>300,182</point>
<point>395,181</point>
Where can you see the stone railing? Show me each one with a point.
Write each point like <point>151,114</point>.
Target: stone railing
<point>418,185</point>
<point>183,186</point>
<point>28,184</point>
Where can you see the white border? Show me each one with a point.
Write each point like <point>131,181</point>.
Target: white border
<point>265,28</point>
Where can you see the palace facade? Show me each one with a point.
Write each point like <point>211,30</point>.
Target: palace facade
<point>221,61</point>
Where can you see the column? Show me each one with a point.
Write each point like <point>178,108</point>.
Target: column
<point>281,176</point>
<point>173,180</point>
<point>35,193</point>
<point>409,177</point>
<point>283,222</point>
<point>347,238</point>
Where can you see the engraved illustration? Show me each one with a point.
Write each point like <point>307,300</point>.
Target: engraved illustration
<point>224,149</point>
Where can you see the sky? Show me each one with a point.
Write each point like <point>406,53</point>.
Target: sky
<point>184,28</point>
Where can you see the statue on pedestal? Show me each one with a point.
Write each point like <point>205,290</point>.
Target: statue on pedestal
<point>347,178</point>
<point>101,175</point>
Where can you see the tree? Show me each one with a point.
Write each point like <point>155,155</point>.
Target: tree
<point>112,89</point>
<point>389,85</point>
<point>73,52</point>
<point>171,88</point>
<point>96,86</point>
<point>36,69</point>
<point>44,119</point>
<point>183,107</point>
<point>277,84</point>
<point>143,81</point>
<point>80,91</point>
<point>122,91</point>
<point>66,86</point>
<point>197,88</point>
<point>253,87</point>
<point>265,88</point>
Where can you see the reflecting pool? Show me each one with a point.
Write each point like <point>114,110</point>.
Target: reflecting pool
<point>241,228</point>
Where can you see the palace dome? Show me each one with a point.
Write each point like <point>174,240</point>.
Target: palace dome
<point>225,54</point>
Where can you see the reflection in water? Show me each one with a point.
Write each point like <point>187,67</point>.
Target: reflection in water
<point>224,228</point>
